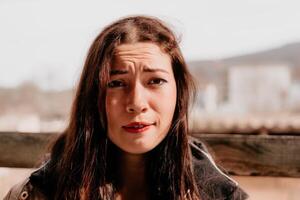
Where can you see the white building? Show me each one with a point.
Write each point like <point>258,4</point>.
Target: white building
<point>260,88</point>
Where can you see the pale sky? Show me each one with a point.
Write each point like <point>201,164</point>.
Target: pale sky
<point>46,41</point>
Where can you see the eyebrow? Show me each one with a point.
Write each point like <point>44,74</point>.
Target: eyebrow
<point>118,71</point>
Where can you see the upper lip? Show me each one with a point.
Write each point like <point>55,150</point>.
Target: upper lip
<point>138,124</point>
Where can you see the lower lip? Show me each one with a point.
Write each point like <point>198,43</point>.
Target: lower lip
<point>137,130</point>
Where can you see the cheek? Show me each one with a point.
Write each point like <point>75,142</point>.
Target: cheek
<point>111,106</point>
<point>166,103</point>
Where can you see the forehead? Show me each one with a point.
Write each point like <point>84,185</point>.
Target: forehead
<point>141,53</point>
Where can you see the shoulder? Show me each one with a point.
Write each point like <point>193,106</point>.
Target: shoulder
<point>213,181</point>
<point>24,191</point>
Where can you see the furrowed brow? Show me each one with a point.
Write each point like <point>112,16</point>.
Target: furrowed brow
<point>114,72</point>
<point>155,70</point>
<point>117,72</point>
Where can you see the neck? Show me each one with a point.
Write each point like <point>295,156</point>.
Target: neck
<point>132,170</point>
<point>132,175</point>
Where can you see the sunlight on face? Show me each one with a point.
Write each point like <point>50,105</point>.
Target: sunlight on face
<point>141,89</point>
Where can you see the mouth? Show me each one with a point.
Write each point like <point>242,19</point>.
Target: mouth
<point>137,127</point>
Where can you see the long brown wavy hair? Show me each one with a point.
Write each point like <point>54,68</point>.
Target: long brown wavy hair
<point>83,161</point>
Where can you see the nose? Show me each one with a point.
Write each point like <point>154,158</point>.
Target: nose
<point>137,100</point>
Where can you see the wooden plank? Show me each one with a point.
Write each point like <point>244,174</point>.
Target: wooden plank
<point>240,129</point>
<point>255,155</point>
<point>23,150</point>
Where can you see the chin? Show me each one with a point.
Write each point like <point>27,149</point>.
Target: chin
<point>138,149</point>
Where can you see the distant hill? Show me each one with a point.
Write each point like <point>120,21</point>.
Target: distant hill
<point>28,99</point>
<point>288,54</point>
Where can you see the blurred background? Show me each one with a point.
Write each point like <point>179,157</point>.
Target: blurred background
<point>245,56</point>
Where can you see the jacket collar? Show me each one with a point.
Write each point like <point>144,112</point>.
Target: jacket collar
<point>212,182</point>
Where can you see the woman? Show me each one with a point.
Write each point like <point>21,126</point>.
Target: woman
<point>128,133</point>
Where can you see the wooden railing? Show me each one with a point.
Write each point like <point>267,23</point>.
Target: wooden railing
<point>239,154</point>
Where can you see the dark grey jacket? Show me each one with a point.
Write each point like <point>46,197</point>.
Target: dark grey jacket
<point>213,183</point>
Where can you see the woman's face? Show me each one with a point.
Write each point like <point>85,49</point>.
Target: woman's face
<point>141,97</point>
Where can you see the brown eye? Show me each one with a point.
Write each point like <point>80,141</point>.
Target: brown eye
<point>157,81</point>
<point>115,83</point>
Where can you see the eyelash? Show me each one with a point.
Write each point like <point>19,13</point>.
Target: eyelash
<point>111,83</point>
<point>162,81</point>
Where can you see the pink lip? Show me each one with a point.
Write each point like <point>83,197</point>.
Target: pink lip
<point>130,127</point>
<point>138,123</point>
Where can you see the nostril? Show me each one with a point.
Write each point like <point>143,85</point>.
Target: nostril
<point>136,108</point>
